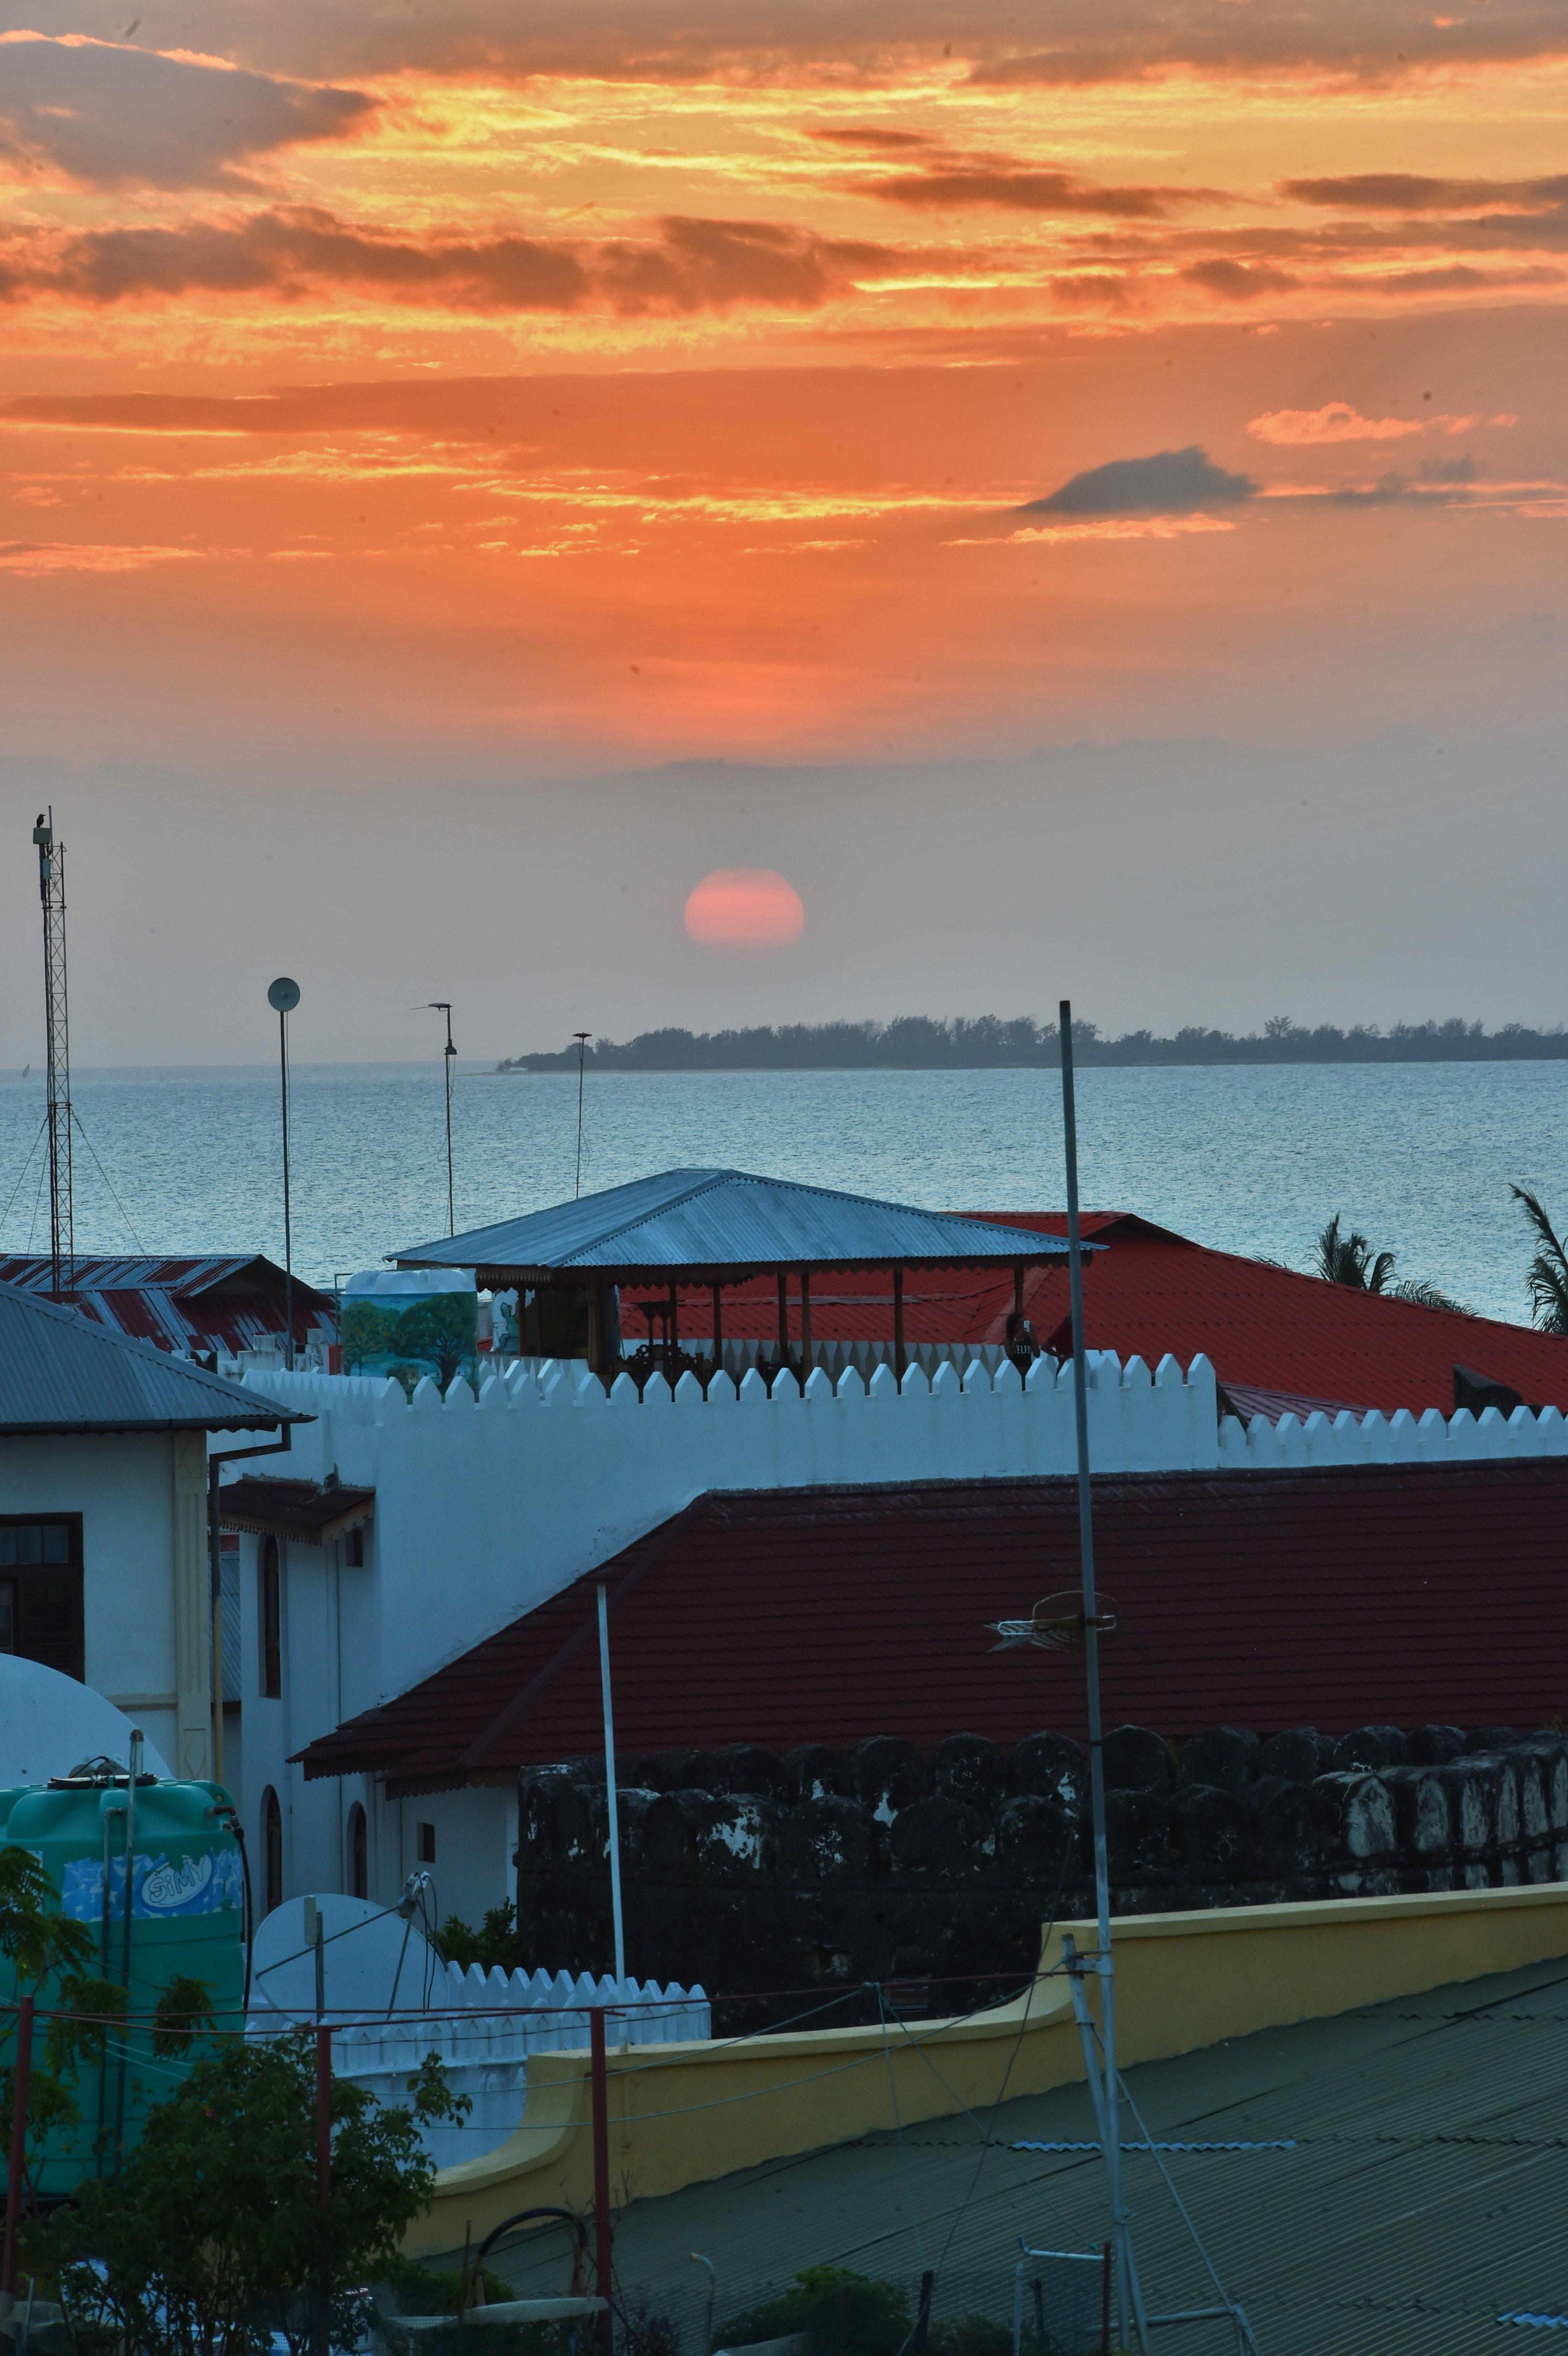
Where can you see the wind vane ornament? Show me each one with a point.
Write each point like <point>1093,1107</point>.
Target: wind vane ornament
<point>1056,1624</point>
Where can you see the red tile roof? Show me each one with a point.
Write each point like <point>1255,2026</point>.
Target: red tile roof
<point>1266,1329</point>
<point>1334,1598</point>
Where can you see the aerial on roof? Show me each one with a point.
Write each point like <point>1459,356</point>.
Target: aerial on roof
<point>1333,1598</point>
<point>60,1373</point>
<point>231,1301</point>
<point>713,1225</point>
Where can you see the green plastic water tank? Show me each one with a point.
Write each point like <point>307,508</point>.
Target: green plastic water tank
<point>187,1921</point>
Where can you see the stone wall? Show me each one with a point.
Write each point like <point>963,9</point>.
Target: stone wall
<point>823,1871</point>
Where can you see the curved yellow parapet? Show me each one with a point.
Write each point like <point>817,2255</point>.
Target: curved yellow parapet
<point>680,2115</point>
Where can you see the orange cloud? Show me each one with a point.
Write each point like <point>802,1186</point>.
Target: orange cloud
<point>1335,422</point>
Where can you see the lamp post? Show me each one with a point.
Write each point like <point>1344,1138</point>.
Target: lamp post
<point>444,1006</point>
<point>284,996</point>
<point>582,1037</point>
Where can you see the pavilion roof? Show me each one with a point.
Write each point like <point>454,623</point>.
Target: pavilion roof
<point>718,1225</point>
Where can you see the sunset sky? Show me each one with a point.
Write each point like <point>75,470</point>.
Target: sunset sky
<point>422,427</point>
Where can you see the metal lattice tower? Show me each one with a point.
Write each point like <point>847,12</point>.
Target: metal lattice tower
<point>57,1026</point>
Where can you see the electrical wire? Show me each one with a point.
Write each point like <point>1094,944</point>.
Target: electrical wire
<point>26,1165</point>
<point>38,1198</point>
<point>898,2124</point>
<point>103,1174</point>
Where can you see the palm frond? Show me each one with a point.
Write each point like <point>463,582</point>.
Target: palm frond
<point>1546,1277</point>
<point>1379,1277</point>
<point>1415,1288</point>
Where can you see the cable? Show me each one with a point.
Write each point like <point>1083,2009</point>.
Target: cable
<point>38,1198</point>
<point>103,1174</point>
<point>898,2123</point>
<point>26,1164</point>
<point>1151,2146</point>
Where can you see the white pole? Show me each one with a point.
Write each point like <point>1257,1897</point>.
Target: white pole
<point>1129,2298</point>
<point>609,1788</point>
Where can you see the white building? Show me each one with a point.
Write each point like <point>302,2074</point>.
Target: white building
<point>105,1556</point>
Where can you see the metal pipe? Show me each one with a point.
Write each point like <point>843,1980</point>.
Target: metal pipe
<point>131,1782</point>
<point>1121,2222</point>
<point>288,1213</point>
<point>615,1821</point>
<point>322,2336</point>
<point>897,1324</point>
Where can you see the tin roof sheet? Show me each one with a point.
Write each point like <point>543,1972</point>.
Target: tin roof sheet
<point>1418,2204</point>
<point>702,1220</point>
<point>233,1301</point>
<point>60,1373</point>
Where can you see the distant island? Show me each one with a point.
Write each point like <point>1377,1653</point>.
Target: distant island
<point>918,1043</point>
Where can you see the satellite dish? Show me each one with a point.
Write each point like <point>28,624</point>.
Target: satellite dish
<point>284,995</point>
<point>49,1724</point>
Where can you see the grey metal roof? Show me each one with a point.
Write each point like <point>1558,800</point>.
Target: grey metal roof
<point>1419,2198</point>
<point>702,1222</point>
<point>58,1373</point>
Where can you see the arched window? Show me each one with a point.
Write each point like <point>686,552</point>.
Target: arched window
<point>271,1850</point>
<point>271,1622</point>
<point>359,1853</point>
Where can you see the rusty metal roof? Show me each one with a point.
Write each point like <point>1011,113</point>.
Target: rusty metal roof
<point>716,1225</point>
<point>60,1373</point>
<point>231,1300</point>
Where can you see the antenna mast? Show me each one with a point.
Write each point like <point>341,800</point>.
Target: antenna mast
<point>57,1031</point>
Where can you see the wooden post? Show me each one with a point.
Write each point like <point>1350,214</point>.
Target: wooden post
<point>323,2333</point>
<point>1018,1291</point>
<point>18,2143</point>
<point>717,1328</point>
<point>674,1342</point>
<point>596,1330</point>
<point>602,2248</point>
<point>899,1324</point>
<point>784,1318</point>
<point>805,1326</point>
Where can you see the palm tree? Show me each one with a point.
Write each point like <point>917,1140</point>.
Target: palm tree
<point>1349,1259</point>
<point>1547,1275</point>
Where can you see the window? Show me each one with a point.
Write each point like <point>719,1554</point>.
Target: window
<point>271,1850</point>
<point>354,1548</point>
<point>40,1590</point>
<point>359,1854</point>
<point>270,1617</point>
<point>425,1837</point>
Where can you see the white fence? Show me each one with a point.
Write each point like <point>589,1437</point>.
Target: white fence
<point>1398,1438</point>
<point>482,2025</point>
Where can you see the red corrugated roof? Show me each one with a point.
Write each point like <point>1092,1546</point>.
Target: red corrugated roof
<point>234,1301</point>
<point>1335,1598</point>
<point>1266,1329</point>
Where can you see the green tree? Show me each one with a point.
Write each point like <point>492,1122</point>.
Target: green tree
<point>48,1956</point>
<point>841,2313</point>
<point>1546,1277</point>
<point>1348,1258</point>
<point>212,2239</point>
<point>496,1941</point>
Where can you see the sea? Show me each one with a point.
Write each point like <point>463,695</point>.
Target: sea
<point>1418,1157</point>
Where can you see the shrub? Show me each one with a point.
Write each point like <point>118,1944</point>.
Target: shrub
<point>841,2313</point>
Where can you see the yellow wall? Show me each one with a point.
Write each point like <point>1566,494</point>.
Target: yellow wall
<point>683,2114</point>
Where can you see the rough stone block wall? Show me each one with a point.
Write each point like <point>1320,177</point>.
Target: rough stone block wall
<point>786,1883</point>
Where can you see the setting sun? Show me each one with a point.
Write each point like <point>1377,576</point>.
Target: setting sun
<point>745,908</point>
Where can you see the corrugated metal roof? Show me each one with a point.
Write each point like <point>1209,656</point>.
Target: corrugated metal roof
<point>315,1511</point>
<point>231,1300</point>
<point>1272,1336</point>
<point>1402,1595</point>
<point>1422,2199</point>
<point>702,1220</point>
<point>57,1373</point>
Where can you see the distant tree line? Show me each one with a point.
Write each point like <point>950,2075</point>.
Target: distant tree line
<point>919,1043</point>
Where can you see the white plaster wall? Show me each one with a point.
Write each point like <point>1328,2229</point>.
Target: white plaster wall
<point>122,1484</point>
<point>484,1509</point>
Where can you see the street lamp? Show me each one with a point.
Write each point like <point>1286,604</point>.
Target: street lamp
<point>444,1006</point>
<point>284,996</point>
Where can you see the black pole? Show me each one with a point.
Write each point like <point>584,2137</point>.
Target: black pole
<point>450,1200</point>
<point>582,1037</point>
<point>288,1215</point>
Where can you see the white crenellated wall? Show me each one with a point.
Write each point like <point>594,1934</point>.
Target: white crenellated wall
<point>1398,1438</point>
<point>486,1507</point>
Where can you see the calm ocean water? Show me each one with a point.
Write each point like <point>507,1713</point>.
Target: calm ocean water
<point>1251,1160</point>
